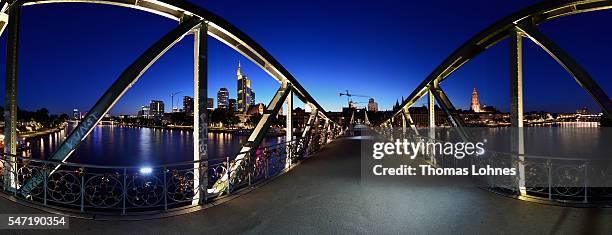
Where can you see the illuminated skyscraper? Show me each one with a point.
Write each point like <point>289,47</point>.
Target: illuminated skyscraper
<point>210,103</point>
<point>187,104</point>
<point>156,109</point>
<point>144,112</point>
<point>244,91</point>
<point>232,105</point>
<point>76,115</point>
<point>252,98</point>
<point>475,104</point>
<point>223,98</point>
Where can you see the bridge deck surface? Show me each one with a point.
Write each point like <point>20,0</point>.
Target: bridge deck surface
<point>326,195</point>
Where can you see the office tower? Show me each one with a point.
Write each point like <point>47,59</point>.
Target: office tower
<point>252,98</point>
<point>210,103</point>
<point>223,98</point>
<point>243,92</point>
<point>76,115</point>
<point>156,109</point>
<point>144,112</point>
<point>232,105</point>
<point>187,104</point>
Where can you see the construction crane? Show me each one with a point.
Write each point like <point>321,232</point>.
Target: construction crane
<point>172,105</point>
<point>349,96</point>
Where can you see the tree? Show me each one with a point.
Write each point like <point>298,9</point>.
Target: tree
<point>42,116</point>
<point>64,117</point>
<point>254,119</point>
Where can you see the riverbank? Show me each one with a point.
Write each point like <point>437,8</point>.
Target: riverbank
<point>44,131</point>
<point>236,131</point>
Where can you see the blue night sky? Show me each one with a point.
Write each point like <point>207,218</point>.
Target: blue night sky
<point>71,53</point>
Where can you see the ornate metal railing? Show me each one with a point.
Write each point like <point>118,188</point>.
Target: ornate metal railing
<point>136,190</point>
<point>575,181</point>
<point>111,189</point>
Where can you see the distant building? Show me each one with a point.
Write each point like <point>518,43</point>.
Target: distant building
<point>256,109</point>
<point>299,118</point>
<point>76,115</point>
<point>420,116</point>
<point>144,112</point>
<point>252,99</point>
<point>475,104</point>
<point>210,103</point>
<point>584,110</point>
<point>488,109</point>
<point>187,104</point>
<point>232,105</point>
<point>156,109</point>
<point>372,106</point>
<point>223,98</point>
<point>243,92</point>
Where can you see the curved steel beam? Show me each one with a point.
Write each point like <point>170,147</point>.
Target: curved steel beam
<point>581,76</point>
<point>218,28</point>
<point>537,14</point>
<point>121,85</point>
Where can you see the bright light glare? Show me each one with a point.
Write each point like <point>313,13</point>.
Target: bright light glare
<point>146,170</point>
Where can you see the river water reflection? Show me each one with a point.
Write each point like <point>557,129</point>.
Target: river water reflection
<point>136,146</point>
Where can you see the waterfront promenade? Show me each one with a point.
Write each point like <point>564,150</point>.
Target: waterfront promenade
<point>326,195</point>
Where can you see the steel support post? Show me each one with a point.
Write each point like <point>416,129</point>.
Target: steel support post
<point>449,110</point>
<point>409,120</point>
<point>113,94</point>
<point>256,136</point>
<point>432,114</point>
<point>289,128</point>
<point>403,123</point>
<point>10,110</point>
<point>432,123</point>
<point>516,106</point>
<point>580,75</point>
<point>327,130</point>
<point>200,115</point>
<point>311,120</point>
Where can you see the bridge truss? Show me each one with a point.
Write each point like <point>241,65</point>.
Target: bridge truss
<point>515,27</point>
<point>192,20</point>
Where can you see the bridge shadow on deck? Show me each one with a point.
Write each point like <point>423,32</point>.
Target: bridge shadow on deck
<point>326,194</point>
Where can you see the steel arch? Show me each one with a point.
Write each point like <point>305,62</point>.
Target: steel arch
<point>218,28</point>
<point>498,31</point>
<point>190,17</point>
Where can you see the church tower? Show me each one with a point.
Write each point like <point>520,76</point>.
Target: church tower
<point>475,104</point>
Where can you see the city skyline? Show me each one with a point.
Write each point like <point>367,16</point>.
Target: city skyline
<point>324,65</point>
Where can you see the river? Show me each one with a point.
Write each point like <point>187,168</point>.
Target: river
<point>136,146</point>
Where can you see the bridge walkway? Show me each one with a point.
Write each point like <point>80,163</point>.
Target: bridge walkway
<point>326,195</point>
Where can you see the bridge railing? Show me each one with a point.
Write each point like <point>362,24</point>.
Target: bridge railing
<point>568,180</point>
<point>113,190</point>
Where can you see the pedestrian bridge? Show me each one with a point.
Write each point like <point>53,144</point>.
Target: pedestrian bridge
<point>312,181</point>
<point>326,194</point>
